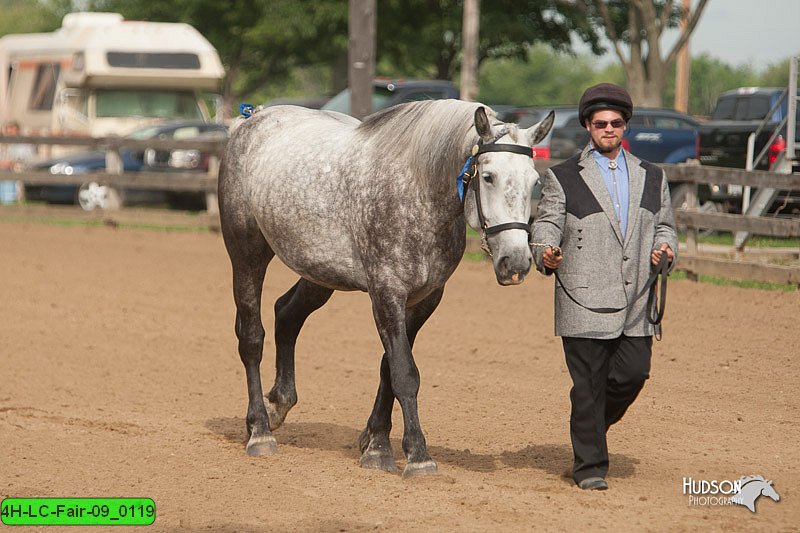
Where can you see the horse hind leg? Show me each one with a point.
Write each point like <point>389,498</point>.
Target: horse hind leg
<point>250,254</point>
<point>376,449</point>
<point>291,311</point>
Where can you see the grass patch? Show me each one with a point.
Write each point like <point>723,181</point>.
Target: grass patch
<point>76,223</point>
<point>726,239</point>
<point>475,256</point>
<point>743,284</point>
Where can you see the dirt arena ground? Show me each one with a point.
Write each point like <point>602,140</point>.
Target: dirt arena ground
<point>120,378</point>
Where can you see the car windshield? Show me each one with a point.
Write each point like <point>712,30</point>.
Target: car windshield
<point>142,103</point>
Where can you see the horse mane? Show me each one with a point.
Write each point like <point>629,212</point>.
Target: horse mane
<point>748,479</point>
<point>431,137</point>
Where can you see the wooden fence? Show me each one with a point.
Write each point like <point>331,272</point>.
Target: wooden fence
<point>694,259</point>
<point>733,263</point>
<point>115,176</point>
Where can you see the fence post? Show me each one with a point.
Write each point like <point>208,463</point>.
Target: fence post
<point>691,231</point>
<point>113,166</point>
<point>212,202</point>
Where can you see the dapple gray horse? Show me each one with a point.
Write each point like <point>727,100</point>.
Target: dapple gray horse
<point>375,207</point>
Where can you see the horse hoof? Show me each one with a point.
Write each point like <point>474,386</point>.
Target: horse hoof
<point>424,468</point>
<point>263,445</point>
<point>376,460</point>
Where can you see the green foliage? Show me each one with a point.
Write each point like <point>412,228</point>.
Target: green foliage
<point>259,41</point>
<point>422,38</point>
<point>32,16</point>
<point>776,74</point>
<point>298,48</point>
<point>710,77</point>
<point>743,284</point>
<point>546,78</point>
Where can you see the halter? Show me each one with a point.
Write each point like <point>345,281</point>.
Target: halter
<point>466,180</point>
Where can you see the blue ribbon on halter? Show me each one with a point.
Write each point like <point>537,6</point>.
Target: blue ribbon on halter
<point>460,178</point>
<point>246,110</point>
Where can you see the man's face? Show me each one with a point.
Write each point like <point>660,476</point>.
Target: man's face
<point>607,138</point>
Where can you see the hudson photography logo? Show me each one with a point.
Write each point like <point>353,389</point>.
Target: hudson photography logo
<point>743,491</point>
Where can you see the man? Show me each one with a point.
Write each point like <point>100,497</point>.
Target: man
<point>12,157</point>
<point>607,217</point>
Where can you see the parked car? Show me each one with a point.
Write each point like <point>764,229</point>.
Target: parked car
<point>526,117</point>
<point>387,92</point>
<point>656,135</point>
<point>723,142</point>
<point>90,195</point>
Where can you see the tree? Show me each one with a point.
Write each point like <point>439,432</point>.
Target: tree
<point>639,26</point>
<point>710,77</point>
<point>545,78</point>
<point>422,38</point>
<point>32,17</point>
<point>259,41</point>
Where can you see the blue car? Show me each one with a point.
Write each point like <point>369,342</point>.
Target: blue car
<point>91,195</point>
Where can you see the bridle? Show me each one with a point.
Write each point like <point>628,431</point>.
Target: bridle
<point>466,181</point>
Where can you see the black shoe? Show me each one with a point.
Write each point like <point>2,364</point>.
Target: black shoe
<point>593,483</point>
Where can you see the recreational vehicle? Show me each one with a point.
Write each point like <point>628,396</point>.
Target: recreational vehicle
<point>100,74</point>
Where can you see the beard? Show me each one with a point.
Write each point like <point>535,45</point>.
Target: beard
<point>607,145</point>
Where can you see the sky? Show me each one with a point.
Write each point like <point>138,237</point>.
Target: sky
<point>744,32</point>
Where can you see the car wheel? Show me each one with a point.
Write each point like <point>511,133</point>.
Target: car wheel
<point>93,196</point>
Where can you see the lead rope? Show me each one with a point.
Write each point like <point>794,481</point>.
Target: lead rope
<point>655,305</point>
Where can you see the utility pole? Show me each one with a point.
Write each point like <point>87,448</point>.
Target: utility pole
<point>469,50</point>
<point>683,66</point>
<point>361,56</point>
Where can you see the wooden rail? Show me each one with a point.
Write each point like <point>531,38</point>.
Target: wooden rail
<point>733,263</point>
<point>693,260</point>
<point>115,177</point>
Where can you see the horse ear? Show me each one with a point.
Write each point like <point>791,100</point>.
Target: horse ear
<point>482,125</point>
<point>539,131</point>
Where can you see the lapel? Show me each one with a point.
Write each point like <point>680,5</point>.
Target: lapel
<point>636,174</point>
<point>592,177</point>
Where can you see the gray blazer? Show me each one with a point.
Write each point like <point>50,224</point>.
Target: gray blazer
<point>601,268</point>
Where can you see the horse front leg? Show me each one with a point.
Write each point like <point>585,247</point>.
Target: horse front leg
<point>376,449</point>
<point>390,317</point>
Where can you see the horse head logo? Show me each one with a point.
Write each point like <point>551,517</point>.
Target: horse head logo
<point>752,488</point>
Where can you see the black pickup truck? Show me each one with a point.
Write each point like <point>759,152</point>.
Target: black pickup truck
<point>723,141</point>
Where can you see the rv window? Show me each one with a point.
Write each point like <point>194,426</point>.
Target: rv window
<point>153,60</point>
<point>44,88</point>
<point>142,103</point>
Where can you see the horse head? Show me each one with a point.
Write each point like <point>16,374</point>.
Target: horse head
<point>497,202</point>
<point>768,490</point>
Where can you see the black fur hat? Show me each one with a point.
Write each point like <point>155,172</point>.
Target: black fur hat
<point>605,96</point>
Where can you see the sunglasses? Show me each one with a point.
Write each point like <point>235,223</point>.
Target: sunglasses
<point>601,124</point>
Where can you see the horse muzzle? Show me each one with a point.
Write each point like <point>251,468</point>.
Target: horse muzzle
<point>512,269</point>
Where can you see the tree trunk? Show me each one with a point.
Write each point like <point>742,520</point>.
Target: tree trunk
<point>228,96</point>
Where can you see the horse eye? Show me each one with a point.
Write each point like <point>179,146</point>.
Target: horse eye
<point>488,177</point>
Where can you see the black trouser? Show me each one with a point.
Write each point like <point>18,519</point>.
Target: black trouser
<point>607,375</point>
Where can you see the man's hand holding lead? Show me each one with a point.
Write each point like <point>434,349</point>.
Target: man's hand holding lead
<point>551,257</point>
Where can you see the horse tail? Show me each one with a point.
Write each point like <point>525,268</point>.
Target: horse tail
<point>238,121</point>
